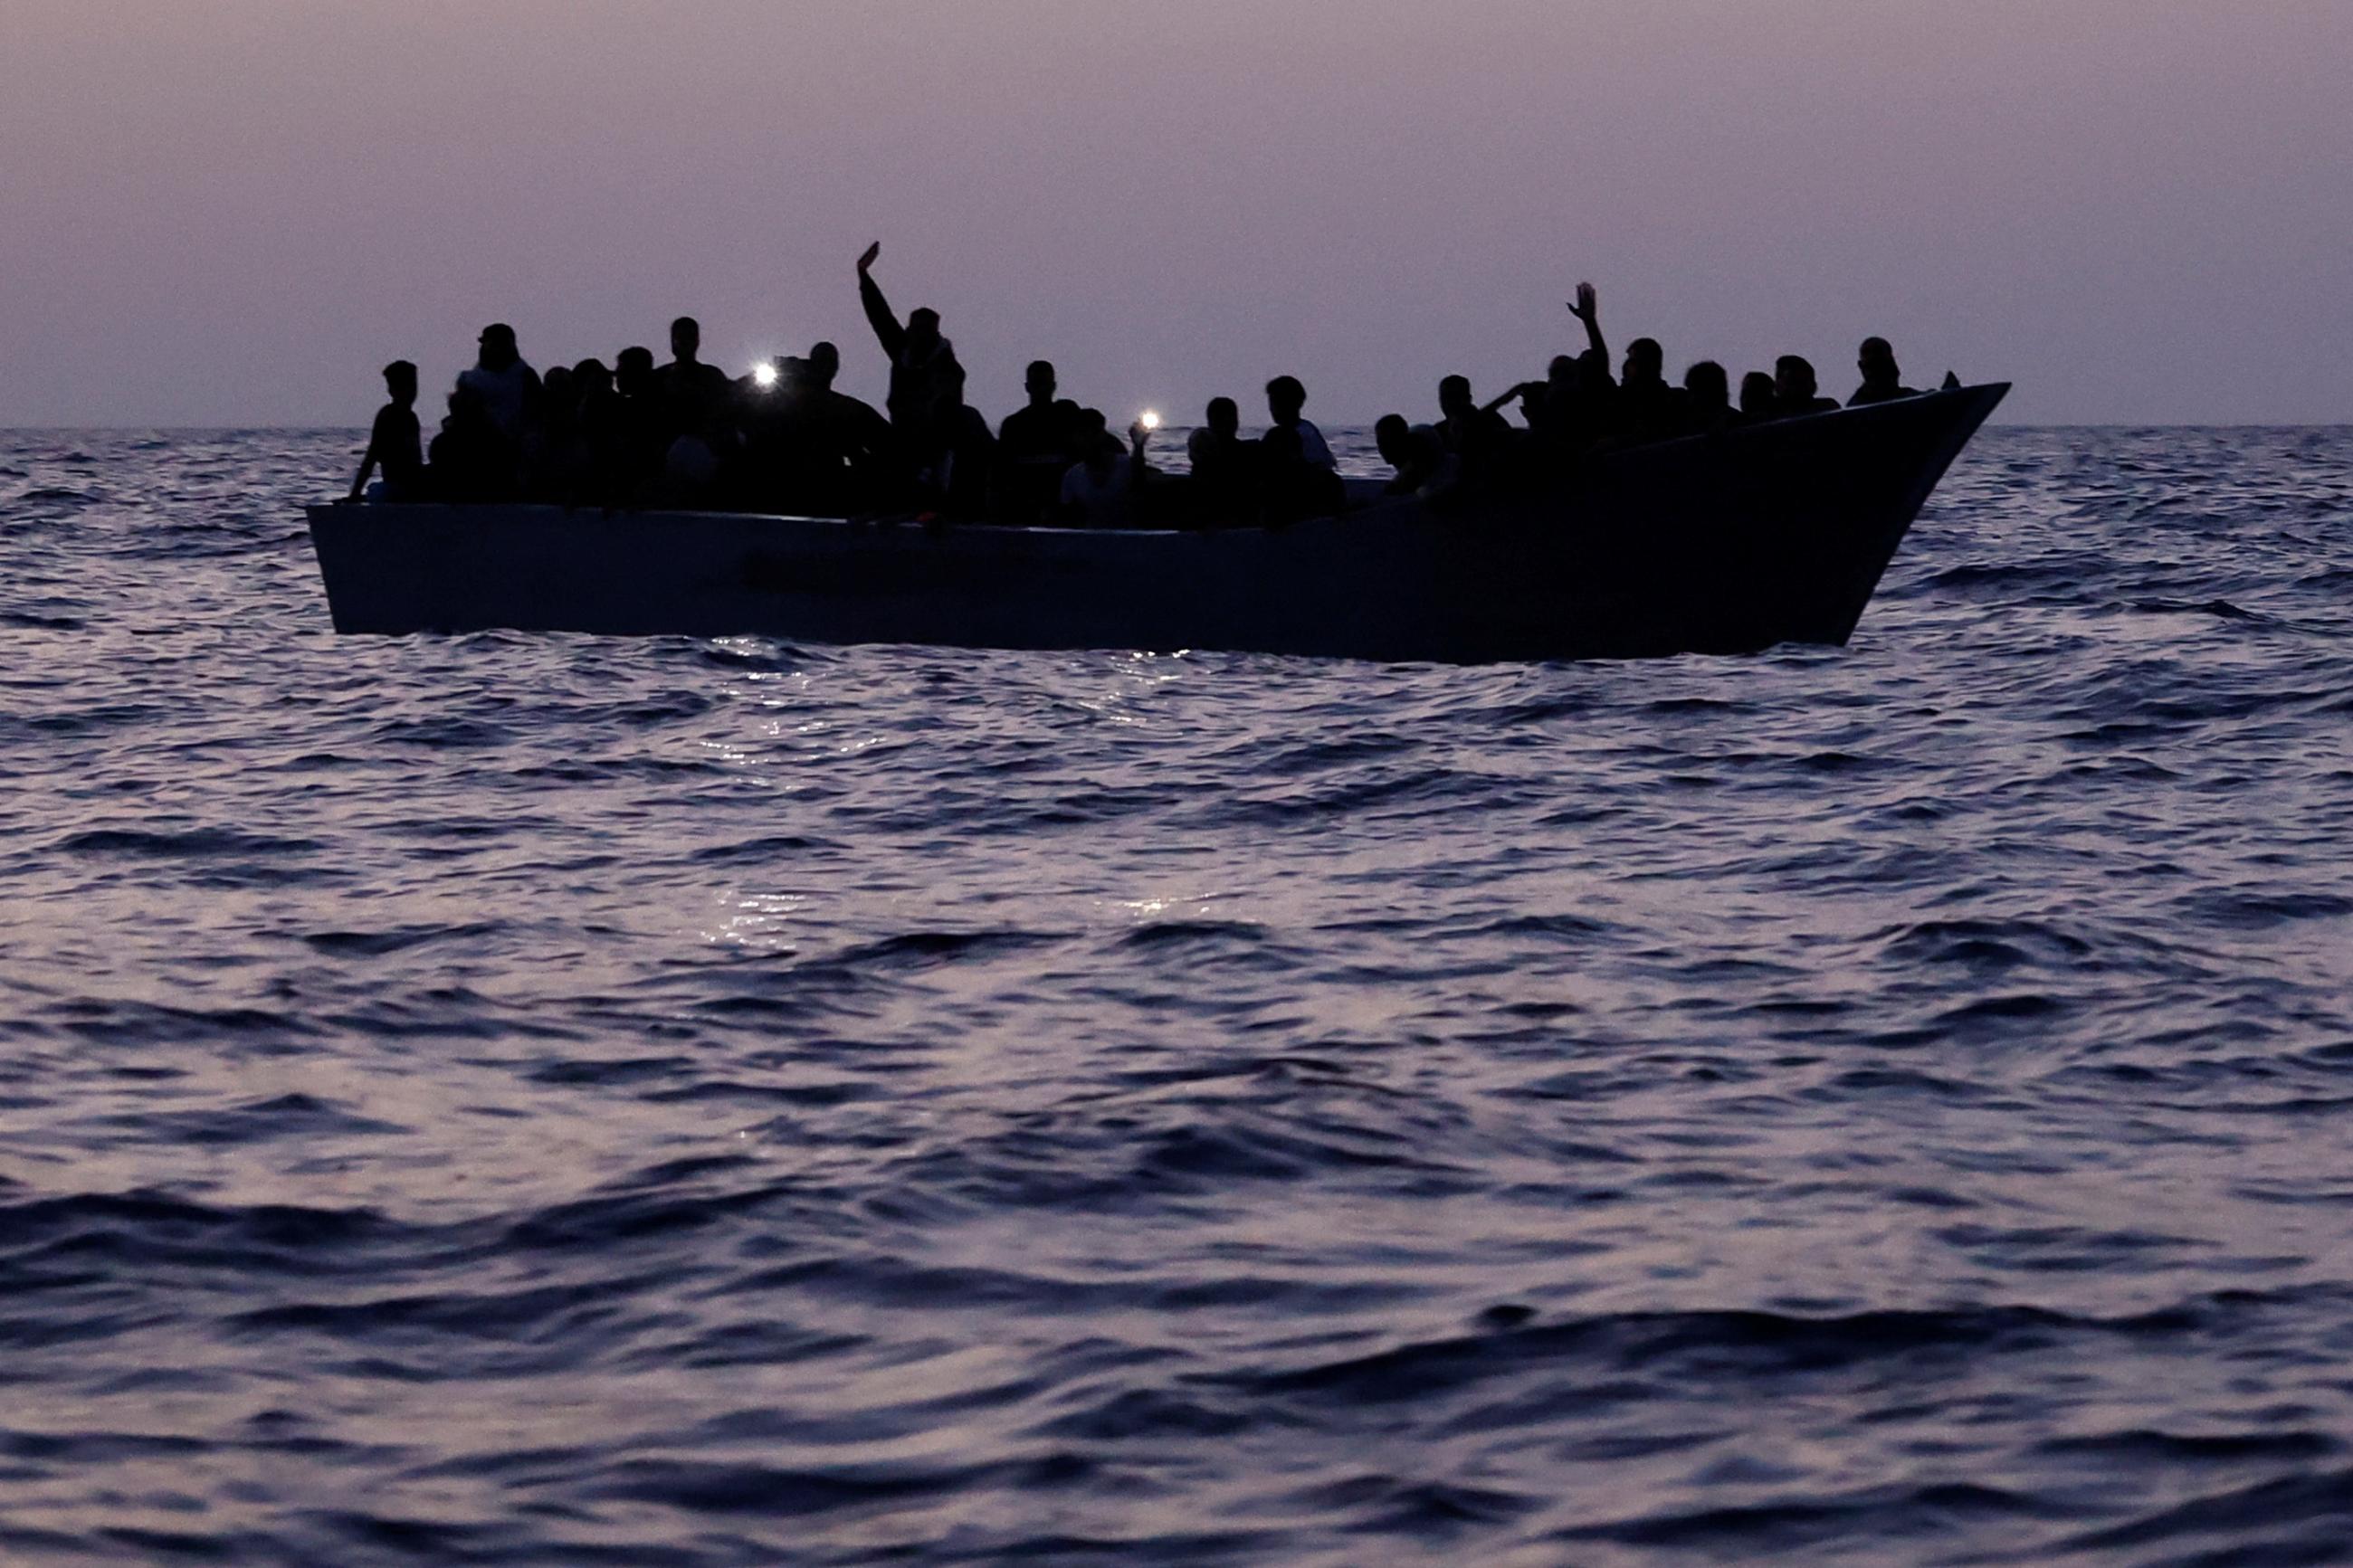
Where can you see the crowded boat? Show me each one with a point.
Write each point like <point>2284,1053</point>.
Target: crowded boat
<point>684,435</point>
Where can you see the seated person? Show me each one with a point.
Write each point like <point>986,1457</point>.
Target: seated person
<point>1476,438</point>
<point>1415,451</point>
<point>853,434</point>
<point>1285,396</point>
<point>508,388</point>
<point>1648,408</point>
<point>471,459</point>
<point>1223,482</point>
<point>1758,401</point>
<point>1794,391</point>
<point>1100,489</point>
<point>1883,381</point>
<point>395,441</point>
<point>1289,487</point>
<point>601,475</point>
<point>693,393</point>
<point>968,461</point>
<point>1035,447</point>
<point>640,422</point>
<point>1707,399</point>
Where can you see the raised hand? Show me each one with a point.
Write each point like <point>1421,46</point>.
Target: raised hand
<point>1585,304</point>
<point>867,260</point>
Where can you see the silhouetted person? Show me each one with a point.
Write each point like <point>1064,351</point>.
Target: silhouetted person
<point>1035,447</point>
<point>1550,405</point>
<point>824,363</point>
<point>508,387</point>
<point>548,445</point>
<point>395,443</point>
<point>641,420</point>
<point>1222,464</point>
<point>1883,381</point>
<point>597,469</point>
<point>1648,408</point>
<point>1284,399</point>
<point>968,461</point>
<point>471,459</point>
<point>920,362</point>
<point>1289,487</point>
<point>1414,451</point>
<point>1707,398</point>
<point>1758,401</point>
<point>1477,439</point>
<point>1794,391</point>
<point>693,393</point>
<point>1100,490</point>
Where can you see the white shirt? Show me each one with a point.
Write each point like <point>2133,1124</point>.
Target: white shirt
<point>1102,503</point>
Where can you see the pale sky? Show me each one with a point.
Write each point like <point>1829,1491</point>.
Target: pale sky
<point>234,211</point>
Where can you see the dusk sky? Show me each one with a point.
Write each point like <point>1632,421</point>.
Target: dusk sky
<point>233,211</point>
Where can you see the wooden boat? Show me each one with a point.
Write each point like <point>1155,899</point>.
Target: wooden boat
<point>1721,543</point>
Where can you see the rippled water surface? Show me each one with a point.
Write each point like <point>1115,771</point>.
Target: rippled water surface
<point>541,1100</point>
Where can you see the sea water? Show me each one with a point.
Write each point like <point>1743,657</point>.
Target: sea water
<point>547,1099</point>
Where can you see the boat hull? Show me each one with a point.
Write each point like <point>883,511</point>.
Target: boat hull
<point>1722,543</point>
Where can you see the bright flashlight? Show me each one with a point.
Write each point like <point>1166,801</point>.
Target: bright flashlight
<point>763,374</point>
<point>1149,420</point>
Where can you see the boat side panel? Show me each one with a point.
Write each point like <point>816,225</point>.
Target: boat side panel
<point>1720,544</point>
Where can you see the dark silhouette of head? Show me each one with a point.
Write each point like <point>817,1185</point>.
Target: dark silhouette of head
<point>1593,372</point>
<point>1039,384</point>
<point>1758,399</point>
<point>1454,396</point>
<point>1284,399</point>
<point>823,363</point>
<point>1562,370</point>
<point>1225,418</point>
<point>592,378</point>
<point>400,382</point>
<point>1394,437</point>
<point>556,391</point>
<point>1710,388</point>
<point>633,372</point>
<point>1876,360</point>
<point>498,349</point>
<point>923,328</point>
<point>1793,379</point>
<point>685,339</point>
<point>1646,362</point>
<point>1095,444</point>
<point>796,375</point>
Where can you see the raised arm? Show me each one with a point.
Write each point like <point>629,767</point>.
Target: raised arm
<point>1586,308</point>
<point>887,330</point>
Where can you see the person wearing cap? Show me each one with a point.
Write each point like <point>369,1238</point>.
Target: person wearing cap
<point>508,387</point>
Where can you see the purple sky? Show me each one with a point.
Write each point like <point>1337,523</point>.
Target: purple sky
<point>233,211</point>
